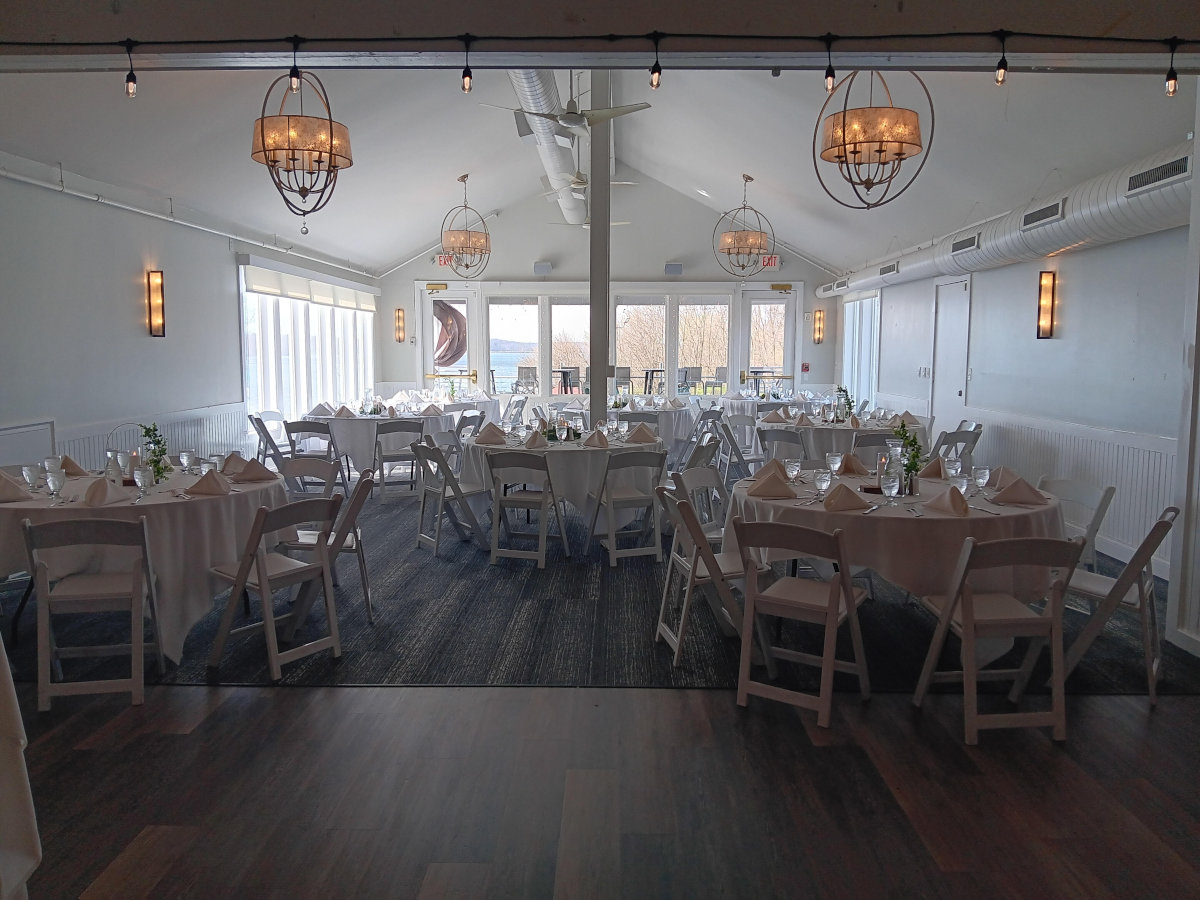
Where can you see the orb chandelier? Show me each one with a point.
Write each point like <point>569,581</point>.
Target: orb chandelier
<point>742,238</point>
<point>465,238</point>
<point>870,144</point>
<point>303,153</point>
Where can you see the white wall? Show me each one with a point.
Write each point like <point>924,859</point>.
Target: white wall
<point>666,227</point>
<point>73,295</point>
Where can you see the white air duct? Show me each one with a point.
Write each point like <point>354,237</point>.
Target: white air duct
<point>537,92</point>
<point>1152,194</point>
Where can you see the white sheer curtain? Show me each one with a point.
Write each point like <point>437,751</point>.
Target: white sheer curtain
<point>300,352</point>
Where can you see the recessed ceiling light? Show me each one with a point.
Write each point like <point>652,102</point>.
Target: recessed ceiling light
<point>702,192</point>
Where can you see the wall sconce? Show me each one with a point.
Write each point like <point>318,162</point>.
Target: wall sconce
<point>156,321</point>
<point>399,326</point>
<point>818,326</point>
<point>1045,320</point>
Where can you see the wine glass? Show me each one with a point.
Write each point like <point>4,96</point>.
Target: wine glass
<point>980,475</point>
<point>953,466</point>
<point>793,469</point>
<point>890,485</point>
<point>52,462</point>
<point>822,478</point>
<point>31,475</point>
<point>55,479</point>
<point>560,431</point>
<point>834,461</point>
<point>123,460</point>
<point>143,477</point>
<point>623,428</point>
<point>186,458</point>
<point>577,424</point>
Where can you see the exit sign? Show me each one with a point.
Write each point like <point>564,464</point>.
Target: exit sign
<point>445,260</point>
<point>770,262</point>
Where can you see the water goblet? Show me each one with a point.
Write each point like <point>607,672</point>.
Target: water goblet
<point>961,482</point>
<point>890,485</point>
<point>980,475</point>
<point>577,424</point>
<point>953,466</point>
<point>52,462</point>
<point>55,479</point>
<point>822,478</point>
<point>834,461</point>
<point>560,431</point>
<point>143,477</point>
<point>792,466</point>
<point>206,466</point>
<point>623,429</point>
<point>123,460</point>
<point>31,475</point>
<point>186,458</point>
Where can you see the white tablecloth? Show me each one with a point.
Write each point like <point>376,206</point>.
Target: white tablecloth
<point>20,847</point>
<point>674,425</point>
<point>187,537</point>
<point>918,554</point>
<point>356,437</point>
<point>490,408</point>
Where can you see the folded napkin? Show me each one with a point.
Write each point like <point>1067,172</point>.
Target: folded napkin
<point>541,424</point>
<point>935,468</point>
<point>851,465</point>
<point>854,423</point>
<point>103,492</point>
<point>536,441</point>
<point>803,419</point>
<point>774,418</point>
<point>234,463</point>
<point>345,412</point>
<point>490,434</point>
<point>773,487</point>
<point>949,503</point>
<point>1002,477</point>
<point>596,439</point>
<point>774,467</point>
<point>909,419</point>
<point>843,499</point>
<point>72,469</point>
<point>575,404</point>
<point>641,435</point>
<point>431,410</point>
<point>11,491</point>
<point>253,471</point>
<point>212,483</point>
<point>321,409</point>
<point>1020,493</point>
<point>893,422</point>
<point>676,403</point>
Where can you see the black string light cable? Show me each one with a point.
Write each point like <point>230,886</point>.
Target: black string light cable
<point>1171,85</point>
<point>467,75</point>
<point>830,75</point>
<point>1002,65</point>
<point>656,69</point>
<point>130,79</point>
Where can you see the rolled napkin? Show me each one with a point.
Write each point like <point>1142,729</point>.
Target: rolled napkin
<point>72,469</point>
<point>774,467</point>
<point>1020,493</point>
<point>490,434</point>
<point>253,471</point>
<point>935,468</point>
<point>431,410</point>
<point>773,487</point>
<point>536,441</point>
<point>909,419</point>
<point>949,503</point>
<point>641,435</point>
<point>11,492</point>
<point>596,439</point>
<point>1002,478</point>
<point>803,419</point>
<point>774,418</point>
<point>852,466</point>
<point>321,409</point>
<point>843,499</point>
<point>676,403</point>
<point>345,412</point>
<point>391,411</point>
<point>234,463</point>
<point>211,483</point>
<point>103,492</point>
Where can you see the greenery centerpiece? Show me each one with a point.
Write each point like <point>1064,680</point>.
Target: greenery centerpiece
<point>911,455</point>
<point>156,450</point>
<point>843,394</point>
<point>619,402</point>
<point>371,407</point>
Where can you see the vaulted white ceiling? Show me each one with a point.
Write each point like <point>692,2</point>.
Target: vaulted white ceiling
<point>187,137</point>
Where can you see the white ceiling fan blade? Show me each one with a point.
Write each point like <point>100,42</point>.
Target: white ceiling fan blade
<point>505,108</point>
<point>599,115</point>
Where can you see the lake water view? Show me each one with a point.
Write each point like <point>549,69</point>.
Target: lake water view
<point>505,363</point>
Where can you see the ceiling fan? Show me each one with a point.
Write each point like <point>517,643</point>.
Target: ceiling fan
<point>575,119</point>
<point>579,181</point>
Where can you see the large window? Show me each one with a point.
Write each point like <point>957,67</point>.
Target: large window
<point>641,344</point>
<point>569,348</point>
<point>513,345</point>
<point>300,352</point>
<point>703,344</point>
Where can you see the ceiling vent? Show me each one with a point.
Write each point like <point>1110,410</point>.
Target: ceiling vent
<point>1053,213</point>
<point>1159,176</point>
<point>967,243</point>
<point>841,285</point>
<point>889,269</point>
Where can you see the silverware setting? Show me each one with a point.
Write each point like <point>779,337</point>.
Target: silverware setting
<point>990,512</point>
<point>867,512</point>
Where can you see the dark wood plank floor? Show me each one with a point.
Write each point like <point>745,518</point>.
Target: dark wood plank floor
<point>540,792</point>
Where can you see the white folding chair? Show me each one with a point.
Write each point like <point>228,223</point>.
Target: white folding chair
<point>703,453</point>
<point>268,449</point>
<point>645,469</point>
<point>734,464</point>
<point>450,445</point>
<point>307,477</point>
<point>973,615</point>
<point>957,445</point>
<point>315,440</point>
<point>1080,496</point>
<point>441,490</point>
<point>264,569</point>
<point>810,600</point>
<point>129,589</point>
<point>523,468</point>
<point>392,450</point>
<point>514,412</point>
<point>868,447</point>
<point>704,489</point>
<point>346,537</point>
<point>782,443</point>
<point>469,423</point>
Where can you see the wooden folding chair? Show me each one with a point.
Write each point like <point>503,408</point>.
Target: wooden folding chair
<point>441,490</point>
<point>522,467</point>
<point>645,469</point>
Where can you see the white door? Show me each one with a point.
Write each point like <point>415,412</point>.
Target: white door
<point>952,322</point>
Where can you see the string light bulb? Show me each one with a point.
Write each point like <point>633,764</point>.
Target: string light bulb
<point>656,69</point>
<point>1171,85</point>
<point>830,75</point>
<point>294,72</point>
<point>467,75</point>
<point>130,79</point>
<point>1002,65</point>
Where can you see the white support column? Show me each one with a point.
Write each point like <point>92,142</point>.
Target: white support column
<point>599,273</point>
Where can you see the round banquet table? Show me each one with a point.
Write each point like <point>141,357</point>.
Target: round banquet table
<point>917,554</point>
<point>355,437</point>
<point>490,408</point>
<point>674,423</point>
<point>829,438</point>
<point>187,537</point>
